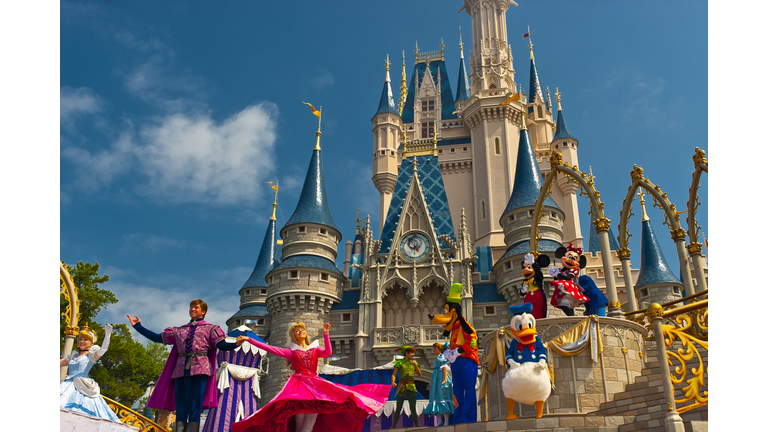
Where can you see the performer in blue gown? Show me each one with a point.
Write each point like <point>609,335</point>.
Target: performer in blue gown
<point>441,387</point>
<point>78,392</point>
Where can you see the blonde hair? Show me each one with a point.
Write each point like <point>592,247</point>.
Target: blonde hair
<point>88,333</point>
<point>292,335</point>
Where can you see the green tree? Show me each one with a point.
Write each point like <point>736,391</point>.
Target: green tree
<point>125,371</point>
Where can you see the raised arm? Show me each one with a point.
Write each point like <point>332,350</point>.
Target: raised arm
<point>328,350</point>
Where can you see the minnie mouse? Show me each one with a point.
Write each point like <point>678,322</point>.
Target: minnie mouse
<point>567,293</point>
<point>532,284</point>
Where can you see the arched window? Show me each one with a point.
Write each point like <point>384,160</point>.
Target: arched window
<point>492,86</point>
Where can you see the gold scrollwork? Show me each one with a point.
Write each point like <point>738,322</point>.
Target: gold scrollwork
<point>602,224</point>
<point>694,248</point>
<point>636,174</point>
<point>655,311</point>
<point>132,418</point>
<point>677,234</point>
<point>556,158</point>
<point>699,156</point>
<point>693,391</point>
<point>614,304</point>
<point>623,252</point>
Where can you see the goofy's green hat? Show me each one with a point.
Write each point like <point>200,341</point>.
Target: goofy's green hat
<point>455,295</point>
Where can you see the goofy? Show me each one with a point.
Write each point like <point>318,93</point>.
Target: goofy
<point>462,354</point>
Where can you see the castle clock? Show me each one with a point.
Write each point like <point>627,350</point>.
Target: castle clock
<point>414,246</point>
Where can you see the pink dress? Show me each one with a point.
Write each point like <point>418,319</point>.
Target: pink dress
<point>340,408</point>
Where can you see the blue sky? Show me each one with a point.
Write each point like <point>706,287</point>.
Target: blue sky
<point>173,115</point>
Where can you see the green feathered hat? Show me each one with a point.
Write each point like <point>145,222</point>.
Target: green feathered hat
<point>405,348</point>
<point>455,295</point>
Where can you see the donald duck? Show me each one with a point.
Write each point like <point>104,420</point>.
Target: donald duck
<point>527,380</point>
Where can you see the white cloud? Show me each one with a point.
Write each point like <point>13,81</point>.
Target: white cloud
<point>323,80</point>
<point>159,82</point>
<point>189,158</point>
<point>193,159</point>
<point>142,242</point>
<point>73,102</point>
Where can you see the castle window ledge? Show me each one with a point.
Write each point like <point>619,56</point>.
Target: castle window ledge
<point>324,277</point>
<point>294,274</point>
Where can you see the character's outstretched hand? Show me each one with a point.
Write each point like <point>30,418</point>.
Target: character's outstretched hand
<point>512,364</point>
<point>553,271</point>
<point>452,355</point>
<point>541,365</point>
<point>107,329</point>
<point>133,321</point>
<point>326,328</point>
<point>241,340</point>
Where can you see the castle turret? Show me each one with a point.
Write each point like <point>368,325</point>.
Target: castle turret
<point>490,58</point>
<point>462,85</point>
<point>655,283</point>
<point>253,311</point>
<point>517,219</point>
<point>566,144</point>
<point>539,112</point>
<point>306,283</point>
<point>387,130</point>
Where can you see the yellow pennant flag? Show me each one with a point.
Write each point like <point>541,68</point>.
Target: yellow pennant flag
<point>273,186</point>
<point>314,111</point>
<point>514,97</point>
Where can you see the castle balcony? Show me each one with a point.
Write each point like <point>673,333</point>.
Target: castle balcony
<point>387,339</point>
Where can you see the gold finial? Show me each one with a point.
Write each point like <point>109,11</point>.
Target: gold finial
<point>442,47</point>
<point>530,41</point>
<point>591,176</point>
<point>557,96</point>
<point>434,139</point>
<point>357,222</point>
<point>387,64</point>
<point>417,51</point>
<point>641,194</point>
<point>461,44</point>
<point>403,94</point>
<point>274,204</point>
<point>318,113</point>
<point>522,113</point>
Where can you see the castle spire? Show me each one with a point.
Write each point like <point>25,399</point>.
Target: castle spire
<point>653,267</point>
<point>269,255</point>
<point>534,86</point>
<point>462,91</point>
<point>528,181</point>
<point>562,127</point>
<point>313,204</point>
<point>387,102</point>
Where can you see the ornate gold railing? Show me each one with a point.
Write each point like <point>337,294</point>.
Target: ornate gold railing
<point>132,418</point>
<point>640,316</point>
<point>689,326</point>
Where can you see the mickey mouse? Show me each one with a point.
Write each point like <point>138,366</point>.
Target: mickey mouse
<point>567,293</point>
<point>532,284</point>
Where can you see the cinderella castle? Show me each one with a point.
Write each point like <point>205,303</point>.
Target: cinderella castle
<point>458,173</point>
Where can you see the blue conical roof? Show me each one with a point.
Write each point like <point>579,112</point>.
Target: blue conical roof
<point>387,102</point>
<point>594,240</point>
<point>313,202</point>
<point>534,86</point>
<point>528,179</point>
<point>562,128</point>
<point>653,266</point>
<point>269,256</point>
<point>462,90</point>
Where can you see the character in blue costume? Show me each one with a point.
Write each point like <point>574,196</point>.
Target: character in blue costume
<point>597,300</point>
<point>441,387</point>
<point>78,392</point>
<point>527,380</point>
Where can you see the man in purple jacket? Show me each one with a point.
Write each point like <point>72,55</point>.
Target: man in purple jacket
<point>187,383</point>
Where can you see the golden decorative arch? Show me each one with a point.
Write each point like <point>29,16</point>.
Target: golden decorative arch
<point>586,185</point>
<point>68,289</point>
<point>671,220</point>
<point>694,247</point>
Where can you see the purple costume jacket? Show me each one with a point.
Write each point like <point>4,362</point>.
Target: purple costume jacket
<point>206,337</point>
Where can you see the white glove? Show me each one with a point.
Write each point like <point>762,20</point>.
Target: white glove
<point>525,289</point>
<point>512,364</point>
<point>541,365</point>
<point>107,331</point>
<point>529,258</point>
<point>553,271</point>
<point>452,355</point>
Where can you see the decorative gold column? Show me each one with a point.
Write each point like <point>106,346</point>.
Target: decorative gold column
<point>678,236</point>
<point>602,226</point>
<point>69,291</point>
<point>626,268</point>
<point>694,251</point>
<point>673,422</point>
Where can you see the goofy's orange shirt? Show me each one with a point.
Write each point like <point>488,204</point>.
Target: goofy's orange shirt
<point>466,341</point>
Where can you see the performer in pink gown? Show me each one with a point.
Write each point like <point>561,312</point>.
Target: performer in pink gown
<point>313,402</point>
